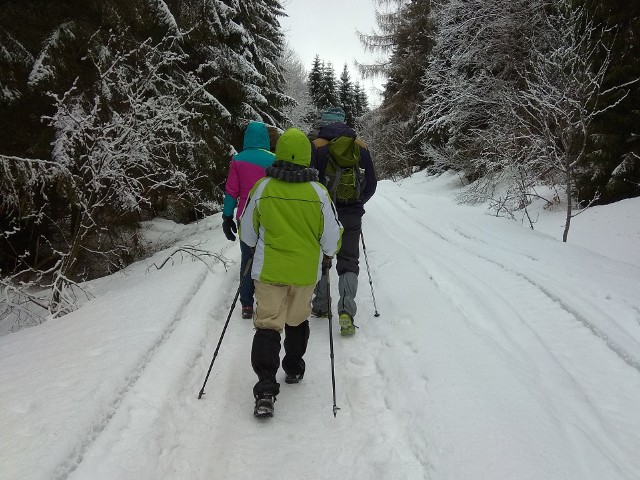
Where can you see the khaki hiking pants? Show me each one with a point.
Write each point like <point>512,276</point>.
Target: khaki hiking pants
<point>277,305</point>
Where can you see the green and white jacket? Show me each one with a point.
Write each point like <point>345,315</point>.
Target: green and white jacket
<point>290,220</point>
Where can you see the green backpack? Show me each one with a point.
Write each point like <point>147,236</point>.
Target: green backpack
<point>345,181</point>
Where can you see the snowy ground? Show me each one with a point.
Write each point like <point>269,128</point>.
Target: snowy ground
<point>499,353</point>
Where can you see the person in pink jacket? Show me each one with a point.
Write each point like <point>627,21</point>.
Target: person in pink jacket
<point>246,168</point>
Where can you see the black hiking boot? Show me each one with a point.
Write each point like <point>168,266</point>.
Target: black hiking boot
<point>293,377</point>
<point>264,405</point>
<point>319,314</point>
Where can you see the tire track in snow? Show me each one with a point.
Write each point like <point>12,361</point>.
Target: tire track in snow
<point>524,297</point>
<point>624,355</point>
<point>71,463</point>
<point>613,346</point>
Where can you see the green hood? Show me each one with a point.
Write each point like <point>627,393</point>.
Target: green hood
<point>294,147</point>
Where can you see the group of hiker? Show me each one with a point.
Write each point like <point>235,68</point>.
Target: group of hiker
<point>295,210</point>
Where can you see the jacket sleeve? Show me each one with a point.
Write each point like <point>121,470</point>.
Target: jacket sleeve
<point>249,226</point>
<point>371,181</point>
<point>231,190</point>
<point>331,238</point>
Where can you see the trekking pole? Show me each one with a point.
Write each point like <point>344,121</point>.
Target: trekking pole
<point>364,248</point>
<point>333,372</point>
<point>233,305</point>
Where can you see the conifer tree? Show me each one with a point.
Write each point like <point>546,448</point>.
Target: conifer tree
<point>612,165</point>
<point>329,88</point>
<point>406,36</point>
<point>216,63</point>
<point>347,97</point>
<point>362,101</point>
<point>358,108</point>
<point>264,43</point>
<point>382,41</point>
<point>315,82</point>
<point>413,39</point>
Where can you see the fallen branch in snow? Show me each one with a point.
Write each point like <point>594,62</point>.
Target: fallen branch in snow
<point>195,253</point>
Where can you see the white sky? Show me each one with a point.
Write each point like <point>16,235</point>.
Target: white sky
<point>499,353</point>
<point>314,27</point>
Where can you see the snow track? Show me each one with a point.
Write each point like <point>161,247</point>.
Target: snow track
<point>514,302</point>
<point>499,353</point>
<point>122,410</point>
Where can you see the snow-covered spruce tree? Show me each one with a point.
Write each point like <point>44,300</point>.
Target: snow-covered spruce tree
<point>261,43</point>
<point>479,51</point>
<point>15,63</point>
<point>361,101</point>
<point>346,96</point>
<point>383,40</point>
<point>413,39</point>
<point>329,87</point>
<point>314,82</point>
<point>236,47</point>
<point>561,99</point>
<point>406,35</point>
<point>118,145</point>
<point>322,84</point>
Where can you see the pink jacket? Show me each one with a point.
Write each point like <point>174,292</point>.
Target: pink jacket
<point>246,168</point>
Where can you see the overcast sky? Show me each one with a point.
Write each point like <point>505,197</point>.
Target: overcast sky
<point>328,28</point>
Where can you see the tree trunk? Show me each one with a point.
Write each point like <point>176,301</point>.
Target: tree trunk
<point>569,188</point>
<point>66,268</point>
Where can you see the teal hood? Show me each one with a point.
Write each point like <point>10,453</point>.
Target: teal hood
<point>256,136</point>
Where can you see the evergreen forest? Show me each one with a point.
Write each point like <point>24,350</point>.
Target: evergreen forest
<point>115,112</point>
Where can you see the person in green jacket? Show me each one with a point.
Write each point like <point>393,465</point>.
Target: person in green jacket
<point>292,224</point>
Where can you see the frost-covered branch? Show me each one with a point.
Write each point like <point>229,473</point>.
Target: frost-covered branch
<point>116,144</point>
<point>194,253</point>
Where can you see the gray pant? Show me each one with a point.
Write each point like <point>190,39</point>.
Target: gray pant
<point>347,265</point>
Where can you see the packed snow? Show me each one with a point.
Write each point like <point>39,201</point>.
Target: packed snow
<point>499,353</point>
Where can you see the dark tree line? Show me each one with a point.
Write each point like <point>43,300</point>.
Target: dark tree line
<point>527,91</point>
<point>325,90</point>
<point>114,112</point>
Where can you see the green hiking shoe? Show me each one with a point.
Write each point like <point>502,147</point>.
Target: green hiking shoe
<point>347,327</point>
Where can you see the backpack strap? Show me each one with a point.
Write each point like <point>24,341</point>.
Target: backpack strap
<point>332,185</point>
<point>320,142</point>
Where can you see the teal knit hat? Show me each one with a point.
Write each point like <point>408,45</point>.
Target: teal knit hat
<point>294,147</point>
<point>332,115</point>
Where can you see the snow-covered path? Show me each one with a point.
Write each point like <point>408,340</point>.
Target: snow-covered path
<point>500,353</point>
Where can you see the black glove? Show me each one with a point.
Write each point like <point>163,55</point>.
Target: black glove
<point>229,226</point>
<point>326,262</point>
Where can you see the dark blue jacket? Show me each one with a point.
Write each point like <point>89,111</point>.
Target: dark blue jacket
<point>319,162</point>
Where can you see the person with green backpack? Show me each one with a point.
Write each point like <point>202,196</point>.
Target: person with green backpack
<point>345,167</point>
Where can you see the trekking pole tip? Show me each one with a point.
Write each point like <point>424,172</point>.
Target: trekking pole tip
<point>376,314</point>
<point>200,394</point>
<point>335,411</point>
